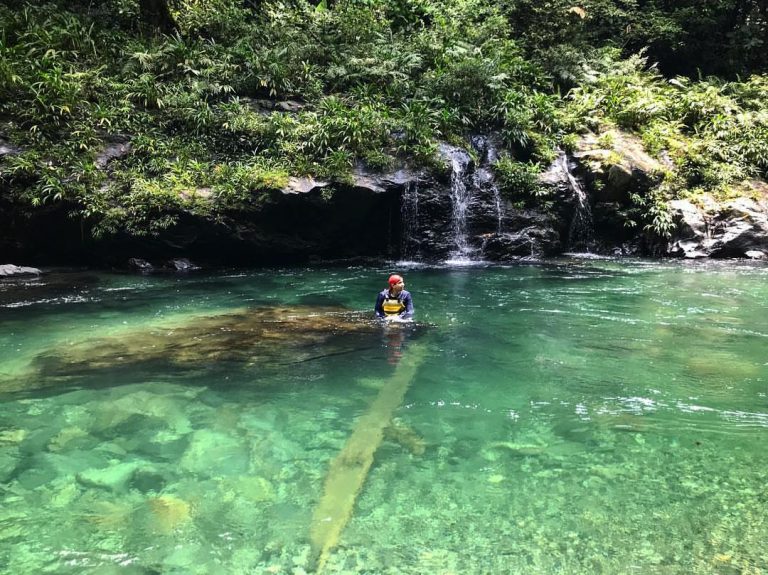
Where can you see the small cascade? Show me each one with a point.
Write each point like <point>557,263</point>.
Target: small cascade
<point>582,231</point>
<point>461,198</point>
<point>484,175</point>
<point>409,216</point>
<point>483,179</point>
<point>457,212</point>
<point>497,203</point>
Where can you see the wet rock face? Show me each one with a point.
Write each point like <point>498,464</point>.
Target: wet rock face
<point>451,212</point>
<point>733,229</point>
<point>532,242</point>
<point>614,166</point>
<point>461,213</point>
<point>593,186</point>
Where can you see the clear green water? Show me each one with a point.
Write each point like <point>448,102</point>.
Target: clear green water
<point>579,417</point>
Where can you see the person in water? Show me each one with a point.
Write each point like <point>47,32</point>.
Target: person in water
<point>395,302</point>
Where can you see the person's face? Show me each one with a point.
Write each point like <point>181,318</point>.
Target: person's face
<point>398,287</point>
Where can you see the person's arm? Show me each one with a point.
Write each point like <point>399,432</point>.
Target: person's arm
<point>378,308</point>
<point>408,302</point>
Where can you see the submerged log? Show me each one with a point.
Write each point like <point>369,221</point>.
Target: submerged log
<point>349,469</point>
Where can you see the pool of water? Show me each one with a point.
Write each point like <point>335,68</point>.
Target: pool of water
<point>580,416</point>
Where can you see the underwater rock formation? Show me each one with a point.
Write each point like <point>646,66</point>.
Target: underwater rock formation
<point>168,513</point>
<point>263,337</point>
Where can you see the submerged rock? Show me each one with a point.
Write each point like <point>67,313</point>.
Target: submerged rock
<point>168,513</point>
<point>215,454</point>
<point>138,410</point>
<point>250,488</point>
<point>112,478</point>
<point>12,436</point>
<point>402,433</point>
<point>44,468</point>
<point>9,459</point>
<point>267,337</point>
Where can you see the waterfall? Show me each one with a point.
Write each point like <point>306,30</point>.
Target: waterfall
<point>409,217</point>
<point>582,232</point>
<point>497,205</point>
<point>461,197</point>
<point>484,174</point>
<point>497,202</point>
<point>491,157</point>
<point>483,181</point>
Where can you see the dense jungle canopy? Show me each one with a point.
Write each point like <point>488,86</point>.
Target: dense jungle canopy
<point>223,100</point>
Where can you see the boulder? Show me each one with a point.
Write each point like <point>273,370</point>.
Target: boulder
<point>619,162</point>
<point>112,478</point>
<point>732,229</point>
<point>692,230</point>
<point>530,242</point>
<point>140,265</point>
<point>10,270</point>
<point>740,227</point>
<point>119,148</point>
<point>182,265</point>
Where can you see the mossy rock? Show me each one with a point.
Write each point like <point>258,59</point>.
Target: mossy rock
<point>619,162</point>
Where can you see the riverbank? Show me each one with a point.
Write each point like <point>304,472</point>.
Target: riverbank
<point>294,133</point>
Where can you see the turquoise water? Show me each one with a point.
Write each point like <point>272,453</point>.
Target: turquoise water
<point>584,416</point>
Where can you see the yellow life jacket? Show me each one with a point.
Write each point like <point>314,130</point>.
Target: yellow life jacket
<point>392,306</point>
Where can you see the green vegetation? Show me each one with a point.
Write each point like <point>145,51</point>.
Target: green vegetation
<point>368,80</point>
<point>711,133</point>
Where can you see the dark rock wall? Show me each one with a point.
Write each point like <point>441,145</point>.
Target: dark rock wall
<point>322,224</point>
<point>410,214</point>
<point>47,235</point>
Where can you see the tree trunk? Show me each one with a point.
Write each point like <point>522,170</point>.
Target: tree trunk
<point>156,16</point>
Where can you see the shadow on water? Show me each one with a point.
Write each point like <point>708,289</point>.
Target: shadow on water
<point>18,292</point>
<point>36,297</point>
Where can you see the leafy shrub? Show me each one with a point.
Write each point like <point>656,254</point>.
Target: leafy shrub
<point>518,180</point>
